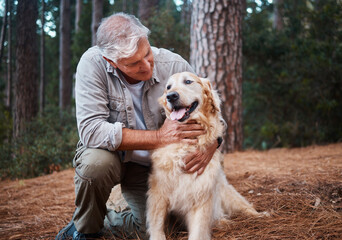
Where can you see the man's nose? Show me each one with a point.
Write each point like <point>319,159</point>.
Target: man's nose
<point>146,64</point>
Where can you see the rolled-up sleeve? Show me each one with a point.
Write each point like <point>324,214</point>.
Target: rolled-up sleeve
<point>92,111</point>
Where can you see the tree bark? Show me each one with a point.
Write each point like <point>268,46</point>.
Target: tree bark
<point>96,19</point>
<point>124,5</point>
<point>42,62</point>
<point>65,79</point>
<point>146,8</point>
<point>3,31</point>
<point>9,63</point>
<point>216,53</point>
<point>278,17</point>
<point>26,90</point>
<point>186,12</point>
<point>79,6</point>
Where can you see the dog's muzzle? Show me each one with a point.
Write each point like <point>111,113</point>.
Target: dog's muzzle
<point>179,112</point>
<point>172,97</point>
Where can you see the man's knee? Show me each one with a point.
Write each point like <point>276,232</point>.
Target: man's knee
<point>99,165</point>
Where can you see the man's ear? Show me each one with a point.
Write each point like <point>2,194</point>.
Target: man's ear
<point>110,62</point>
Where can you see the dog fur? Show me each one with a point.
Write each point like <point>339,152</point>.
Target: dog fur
<point>203,200</point>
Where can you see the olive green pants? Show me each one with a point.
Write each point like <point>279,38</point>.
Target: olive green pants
<point>97,172</point>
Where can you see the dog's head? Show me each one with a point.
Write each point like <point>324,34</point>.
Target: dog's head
<point>187,94</point>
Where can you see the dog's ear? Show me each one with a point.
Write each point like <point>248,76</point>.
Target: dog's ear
<point>211,99</point>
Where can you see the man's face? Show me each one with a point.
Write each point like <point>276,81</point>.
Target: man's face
<point>139,67</point>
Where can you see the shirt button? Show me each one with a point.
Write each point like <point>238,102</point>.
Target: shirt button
<point>129,108</point>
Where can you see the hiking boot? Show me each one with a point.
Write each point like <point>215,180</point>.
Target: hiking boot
<point>67,232</point>
<point>82,236</point>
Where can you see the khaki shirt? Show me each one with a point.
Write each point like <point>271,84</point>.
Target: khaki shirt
<point>103,102</point>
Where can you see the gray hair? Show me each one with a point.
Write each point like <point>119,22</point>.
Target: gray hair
<point>118,36</point>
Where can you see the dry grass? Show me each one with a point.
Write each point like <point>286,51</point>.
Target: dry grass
<point>301,188</point>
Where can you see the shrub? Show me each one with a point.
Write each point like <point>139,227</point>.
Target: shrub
<point>48,145</point>
<point>293,78</point>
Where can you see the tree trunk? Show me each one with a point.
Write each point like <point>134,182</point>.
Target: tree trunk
<point>186,12</point>
<point>216,53</point>
<point>26,90</point>
<point>3,31</point>
<point>65,79</point>
<point>42,62</point>
<point>79,6</point>
<point>9,63</point>
<point>146,8</point>
<point>132,5</point>
<point>124,5</point>
<point>96,19</point>
<point>278,17</point>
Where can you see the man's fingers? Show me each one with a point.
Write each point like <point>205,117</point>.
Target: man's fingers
<point>191,121</point>
<point>195,163</point>
<point>192,134</point>
<point>194,169</point>
<point>201,170</point>
<point>189,126</point>
<point>190,165</point>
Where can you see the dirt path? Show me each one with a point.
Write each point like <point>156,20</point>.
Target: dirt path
<point>302,188</point>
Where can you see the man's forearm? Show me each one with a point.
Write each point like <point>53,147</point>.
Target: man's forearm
<point>139,139</point>
<point>170,132</point>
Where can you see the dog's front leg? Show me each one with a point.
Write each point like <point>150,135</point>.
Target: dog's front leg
<point>156,214</point>
<point>199,222</point>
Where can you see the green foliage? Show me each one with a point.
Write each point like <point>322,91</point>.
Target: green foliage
<point>127,6</point>
<point>48,145</point>
<point>5,123</point>
<point>82,39</point>
<point>293,78</point>
<point>52,53</point>
<point>167,31</point>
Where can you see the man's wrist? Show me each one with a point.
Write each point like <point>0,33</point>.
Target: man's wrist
<point>158,139</point>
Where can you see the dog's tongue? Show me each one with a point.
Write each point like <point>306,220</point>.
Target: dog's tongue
<point>176,115</point>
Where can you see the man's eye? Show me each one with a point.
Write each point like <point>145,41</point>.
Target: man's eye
<point>187,81</point>
<point>168,87</point>
<point>132,64</point>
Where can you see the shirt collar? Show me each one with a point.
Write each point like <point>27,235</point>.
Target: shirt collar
<point>109,67</point>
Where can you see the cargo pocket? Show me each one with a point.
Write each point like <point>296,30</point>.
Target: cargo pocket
<point>87,179</point>
<point>117,110</point>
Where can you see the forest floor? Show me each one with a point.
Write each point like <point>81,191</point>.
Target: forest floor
<point>301,188</point>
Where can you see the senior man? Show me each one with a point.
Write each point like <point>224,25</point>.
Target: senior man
<point>119,119</point>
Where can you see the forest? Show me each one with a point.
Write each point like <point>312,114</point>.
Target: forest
<point>288,77</point>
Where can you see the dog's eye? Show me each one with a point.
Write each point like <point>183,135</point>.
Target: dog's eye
<point>168,87</point>
<point>187,81</point>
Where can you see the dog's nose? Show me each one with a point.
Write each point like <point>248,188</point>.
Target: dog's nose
<point>172,96</point>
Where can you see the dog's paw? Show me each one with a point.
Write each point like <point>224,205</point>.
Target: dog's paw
<point>264,214</point>
<point>157,236</point>
<point>222,223</point>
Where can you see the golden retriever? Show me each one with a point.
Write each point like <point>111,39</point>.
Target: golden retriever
<point>203,200</point>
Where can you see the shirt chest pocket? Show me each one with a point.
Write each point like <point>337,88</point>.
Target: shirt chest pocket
<point>117,109</point>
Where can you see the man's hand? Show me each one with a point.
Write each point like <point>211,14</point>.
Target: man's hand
<point>175,132</point>
<point>198,161</point>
